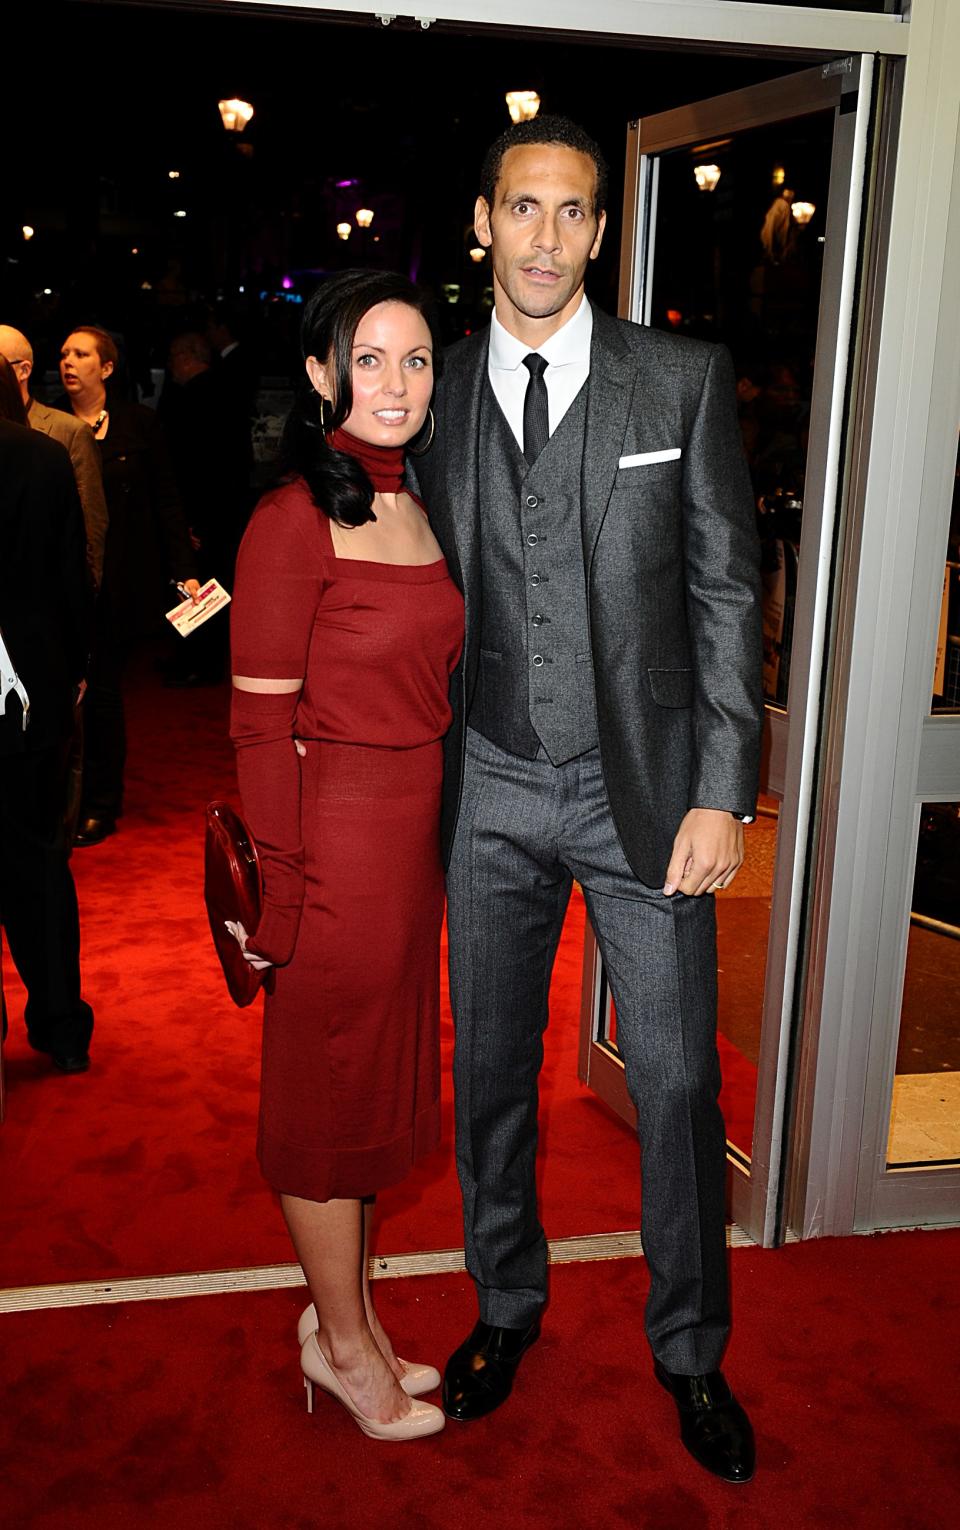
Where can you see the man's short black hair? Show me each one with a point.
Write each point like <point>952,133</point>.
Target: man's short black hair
<point>547,129</point>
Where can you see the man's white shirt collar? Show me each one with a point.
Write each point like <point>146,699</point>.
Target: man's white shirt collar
<point>569,346</point>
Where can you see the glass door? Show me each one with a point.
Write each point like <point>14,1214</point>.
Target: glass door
<point>910,1154</point>
<point>742,224</point>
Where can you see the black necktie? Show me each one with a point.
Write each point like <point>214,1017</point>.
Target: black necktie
<point>536,413</point>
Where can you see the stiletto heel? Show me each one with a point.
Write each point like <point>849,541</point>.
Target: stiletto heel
<point>422,1419</point>
<point>417,1379</point>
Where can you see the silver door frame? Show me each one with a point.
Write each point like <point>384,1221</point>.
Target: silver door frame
<point>888,753</point>
<point>837,85</point>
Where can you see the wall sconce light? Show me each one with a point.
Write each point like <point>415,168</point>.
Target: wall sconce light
<point>344,230</point>
<point>28,231</point>
<point>173,175</point>
<point>522,104</point>
<point>779,175</point>
<point>706,176</point>
<point>803,211</point>
<point>364,217</point>
<point>235,114</point>
<point>181,212</point>
<point>477,254</point>
<point>451,291</point>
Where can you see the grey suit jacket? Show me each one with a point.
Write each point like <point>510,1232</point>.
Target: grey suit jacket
<point>81,443</point>
<point>671,563</point>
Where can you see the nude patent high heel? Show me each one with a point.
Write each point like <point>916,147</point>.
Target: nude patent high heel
<point>422,1419</point>
<point>416,1379</point>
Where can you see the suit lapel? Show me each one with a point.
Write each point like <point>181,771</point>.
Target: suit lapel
<point>613,375</point>
<point>463,387</point>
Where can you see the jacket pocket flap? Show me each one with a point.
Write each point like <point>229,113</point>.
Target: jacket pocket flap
<point>671,687</point>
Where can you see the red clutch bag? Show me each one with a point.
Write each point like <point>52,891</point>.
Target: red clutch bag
<point>233,889</point>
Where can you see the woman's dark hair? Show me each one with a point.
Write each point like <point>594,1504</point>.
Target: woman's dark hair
<point>337,482</point>
<point>12,407</point>
<point>548,129</point>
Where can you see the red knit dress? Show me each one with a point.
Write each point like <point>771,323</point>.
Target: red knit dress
<point>349,840</point>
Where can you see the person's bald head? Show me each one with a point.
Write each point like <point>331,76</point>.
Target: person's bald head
<point>19,352</point>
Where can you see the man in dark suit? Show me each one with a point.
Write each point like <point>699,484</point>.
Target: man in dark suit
<point>588,488</point>
<point>45,600</point>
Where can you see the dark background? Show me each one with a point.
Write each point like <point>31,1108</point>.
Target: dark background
<point>110,97</point>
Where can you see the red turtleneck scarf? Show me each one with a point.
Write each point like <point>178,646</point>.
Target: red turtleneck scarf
<point>383,465</point>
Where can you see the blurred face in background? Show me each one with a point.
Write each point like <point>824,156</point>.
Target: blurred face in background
<point>82,372</point>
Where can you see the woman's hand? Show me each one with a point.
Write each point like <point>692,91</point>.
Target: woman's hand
<point>258,963</point>
<point>192,587</point>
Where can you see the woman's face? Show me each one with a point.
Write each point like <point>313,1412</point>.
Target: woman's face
<point>81,369</point>
<point>392,375</point>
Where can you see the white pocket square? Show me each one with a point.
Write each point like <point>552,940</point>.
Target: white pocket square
<point>640,459</point>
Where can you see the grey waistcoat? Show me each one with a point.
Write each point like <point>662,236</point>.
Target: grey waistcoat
<point>535,682</point>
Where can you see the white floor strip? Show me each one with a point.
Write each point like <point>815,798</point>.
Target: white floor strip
<point>272,1277</point>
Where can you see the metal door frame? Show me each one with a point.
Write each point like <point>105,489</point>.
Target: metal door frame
<point>845,87</point>
<point>887,754</point>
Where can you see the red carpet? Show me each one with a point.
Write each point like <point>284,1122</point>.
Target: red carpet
<point>191,1412</point>
<point>146,1164</point>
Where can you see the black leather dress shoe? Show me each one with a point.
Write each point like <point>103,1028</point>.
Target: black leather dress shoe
<point>713,1426</point>
<point>91,831</point>
<point>479,1375</point>
<point>70,1062</point>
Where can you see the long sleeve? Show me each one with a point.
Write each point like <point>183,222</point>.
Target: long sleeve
<point>76,589</point>
<point>87,472</point>
<point>723,599</point>
<point>277,588</point>
<point>268,774</point>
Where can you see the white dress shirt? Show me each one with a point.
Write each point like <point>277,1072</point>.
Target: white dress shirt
<point>567,354</point>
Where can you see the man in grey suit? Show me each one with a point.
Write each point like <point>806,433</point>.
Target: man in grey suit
<point>588,487</point>
<point>72,433</point>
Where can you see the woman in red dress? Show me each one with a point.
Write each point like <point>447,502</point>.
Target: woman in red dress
<point>346,627</point>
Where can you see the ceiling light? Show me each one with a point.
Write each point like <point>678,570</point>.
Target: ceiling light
<point>522,104</point>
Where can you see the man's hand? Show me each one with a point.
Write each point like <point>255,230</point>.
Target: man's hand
<point>707,853</point>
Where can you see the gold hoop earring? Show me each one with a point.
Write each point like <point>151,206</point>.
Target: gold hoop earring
<point>419,450</point>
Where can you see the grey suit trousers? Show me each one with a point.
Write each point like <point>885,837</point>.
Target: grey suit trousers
<point>526,829</point>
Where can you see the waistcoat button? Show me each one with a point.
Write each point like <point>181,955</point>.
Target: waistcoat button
<point>537,620</point>
<point>537,660</point>
<point>535,579</point>
<point>532,502</point>
<point>532,539</point>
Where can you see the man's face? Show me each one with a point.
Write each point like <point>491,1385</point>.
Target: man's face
<point>542,229</point>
